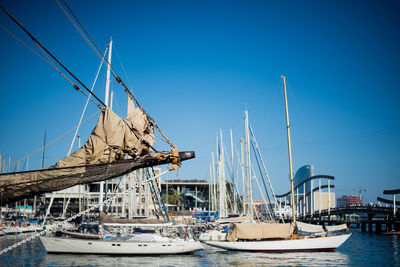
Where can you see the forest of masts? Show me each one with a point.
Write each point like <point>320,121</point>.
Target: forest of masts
<point>234,196</point>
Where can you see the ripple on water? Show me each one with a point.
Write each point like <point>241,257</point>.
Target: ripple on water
<point>362,249</point>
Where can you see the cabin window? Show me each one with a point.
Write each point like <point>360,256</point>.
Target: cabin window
<point>113,245</point>
<point>139,245</point>
<point>118,245</point>
<point>89,243</point>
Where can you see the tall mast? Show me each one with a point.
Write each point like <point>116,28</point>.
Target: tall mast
<point>290,153</point>
<point>214,184</point>
<point>209,191</point>
<point>233,175</point>
<point>106,103</point>
<point>243,175</point>
<point>222,190</point>
<point>248,164</point>
<point>217,175</point>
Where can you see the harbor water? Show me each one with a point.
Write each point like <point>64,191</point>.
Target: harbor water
<point>361,249</point>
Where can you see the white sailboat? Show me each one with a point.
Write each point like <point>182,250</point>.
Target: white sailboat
<point>282,237</point>
<point>126,239</point>
<point>142,244</point>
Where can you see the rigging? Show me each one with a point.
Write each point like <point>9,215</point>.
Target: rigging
<point>97,51</point>
<point>101,105</point>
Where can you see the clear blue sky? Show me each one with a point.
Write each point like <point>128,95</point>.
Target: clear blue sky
<point>196,65</point>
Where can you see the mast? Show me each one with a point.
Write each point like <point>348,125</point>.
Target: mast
<point>290,153</point>
<point>214,184</point>
<point>44,149</point>
<point>107,104</point>
<point>233,175</point>
<point>243,175</point>
<point>53,193</point>
<point>248,164</point>
<point>209,191</point>
<point>222,184</point>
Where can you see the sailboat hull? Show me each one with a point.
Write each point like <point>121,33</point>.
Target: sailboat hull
<point>84,246</point>
<point>317,244</point>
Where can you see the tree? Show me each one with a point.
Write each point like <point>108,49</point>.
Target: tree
<point>175,198</point>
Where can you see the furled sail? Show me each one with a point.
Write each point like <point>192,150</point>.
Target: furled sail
<point>253,231</point>
<point>332,228</point>
<point>309,228</point>
<point>112,139</point>
<point>115,147</point>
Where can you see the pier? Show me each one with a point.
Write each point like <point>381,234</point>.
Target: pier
<point>317,207</point>
<point>371,219</point>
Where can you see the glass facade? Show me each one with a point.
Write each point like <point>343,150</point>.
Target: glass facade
<point>303,173</point>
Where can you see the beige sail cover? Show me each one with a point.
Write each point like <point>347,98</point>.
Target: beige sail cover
<point>332,228</point>
<point>113,138</point>
<point>309,228</point>
<point>252,231</point>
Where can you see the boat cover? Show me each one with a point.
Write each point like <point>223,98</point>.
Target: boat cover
<point>252,231</point>
<point>333,228</point>
<point>309,228</point>
<point>104,218</point>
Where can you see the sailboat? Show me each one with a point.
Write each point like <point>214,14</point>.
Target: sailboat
<point>153,241</point>
<point>283,237</point>
<point>115,147</point>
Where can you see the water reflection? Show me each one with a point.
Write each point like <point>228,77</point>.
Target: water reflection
<point>271,259</point>
<point>103,260</point>
<point>362,249</point>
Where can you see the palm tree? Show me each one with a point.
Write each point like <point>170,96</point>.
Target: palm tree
<point>175,198</point>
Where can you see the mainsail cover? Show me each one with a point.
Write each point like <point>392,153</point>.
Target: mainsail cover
<point>332,228</point>
<point>253,231</point>
<point>309,228</point>
<point>102,157</point>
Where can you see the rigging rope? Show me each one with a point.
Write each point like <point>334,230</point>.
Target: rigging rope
<point>87,101</point>
<point>55,140</point>
<point>97,51</point>
<point>89,42</point>
<point>48,60</point>
<point>52,56</point>
<point>105,202</point>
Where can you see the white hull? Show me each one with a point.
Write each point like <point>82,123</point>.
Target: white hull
<point>82,246</point>
<point>329,243</point>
